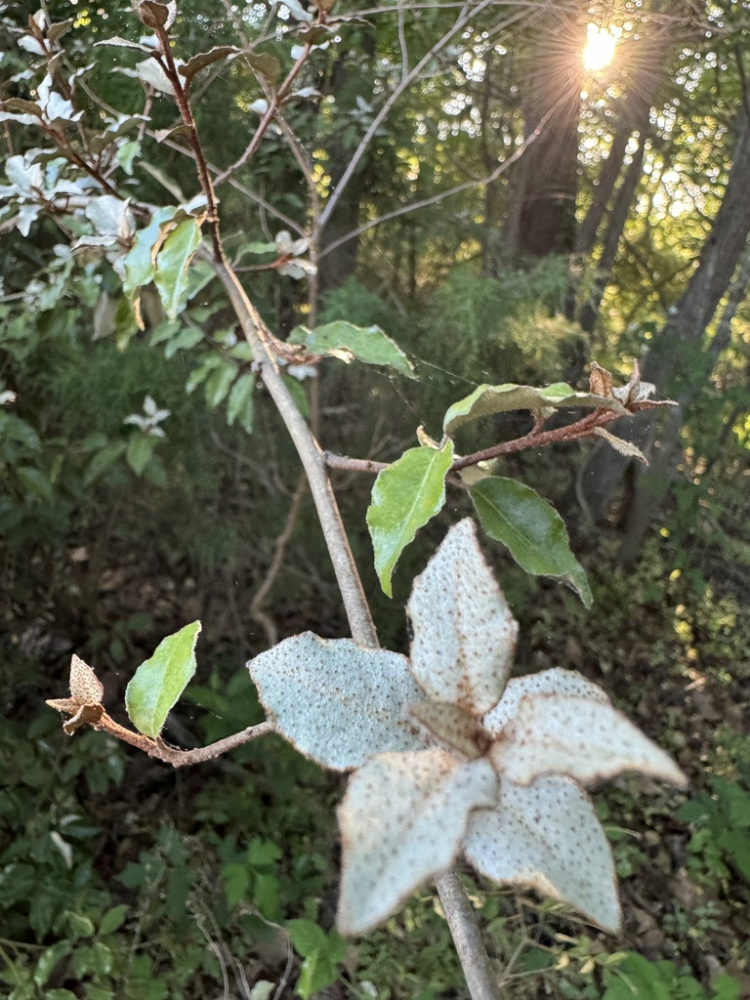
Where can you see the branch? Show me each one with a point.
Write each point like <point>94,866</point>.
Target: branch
<point>313,460</point>
<point>467,13</point>
<point>97,718</point>
<point>186,113</point>
<point>435,198</point>
<point>536,438</point>
<point>467,937</point>
<point>273,107</point>
<point>238,186</point>
<point>586,427</point>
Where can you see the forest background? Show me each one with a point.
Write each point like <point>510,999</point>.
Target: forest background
<point>506,211</point>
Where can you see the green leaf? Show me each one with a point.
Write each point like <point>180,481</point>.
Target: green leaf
<point>307,937</point>
<point>725,987</point>
<point>203,370</point>
<point>188,337</point>
<point>218,383</point>
<point>240,404</point>
<point>159,682</point>
<point>489,399</point>
<point>345,341</point>
<point>532,530</point>
<point>80,925</point>
<point>139,452</point>
<point>102,461</point>
<point>139,264</point>
<point>405,497</point>
<point>258,248</point>
<point>49,959</point>
<point>126,155</point>
<point>35,481</point>
<point>266,895</point>
<point>113,919</point>
<point>317,973</point>
<point>298,394</point>
<point>171,276</point>
<point>236,879</point>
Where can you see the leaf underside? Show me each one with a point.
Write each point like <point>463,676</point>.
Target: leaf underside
<point>547,836</point>
<point>336,702</point>
<point>464,633</point>
<point>402,820</point>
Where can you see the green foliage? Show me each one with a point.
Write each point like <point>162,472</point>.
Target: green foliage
<point>347,341</point>
<point>158,683</point>
<point>322,954</point>
<point>533,531</point>
<point>721,830</point>
<point>405,497</point>
<point>637,977</point>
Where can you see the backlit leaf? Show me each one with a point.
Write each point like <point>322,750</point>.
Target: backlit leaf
<point>140,262</point>
<point>159,682</point>
<point>344,340</point>
<point>336,702</point>
<point>464,633</point>
<point>202,59</point>
<point>532,530</point>
<point>402,820</point>
<point>171,277</point>
<point>547,836</point>
<point>487,400</point>
<point>405,497</point>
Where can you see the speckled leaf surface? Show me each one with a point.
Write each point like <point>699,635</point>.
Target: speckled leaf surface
<point>85,686</point>
<point>546,835</point>
<point>555,681</point>
<point>464,633</point>
<point>336,702</point>
<point>402,821</point>
<point>581,737</point>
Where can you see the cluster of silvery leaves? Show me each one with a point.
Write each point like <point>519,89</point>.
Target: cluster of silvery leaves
<point>449,755</point>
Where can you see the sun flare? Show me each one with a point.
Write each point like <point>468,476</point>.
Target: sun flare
<point>600,48</point>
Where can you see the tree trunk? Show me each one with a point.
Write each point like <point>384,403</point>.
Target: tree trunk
<point>679,363</point>
<point>552,97</point>
<point>615,227</point>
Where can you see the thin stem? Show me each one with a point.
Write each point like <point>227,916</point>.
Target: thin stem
<point>467,937</point>
<point>467,13</point>
<point>273,107</point>
<point>536,438</point>
<point>186,113</point>
<point>539,439</point>
<point>313,460</point>
<point>180,758</point>
<point>434,199</point>
<point>353,464</point>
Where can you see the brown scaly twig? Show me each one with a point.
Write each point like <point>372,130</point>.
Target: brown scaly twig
<point>85,709</point>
